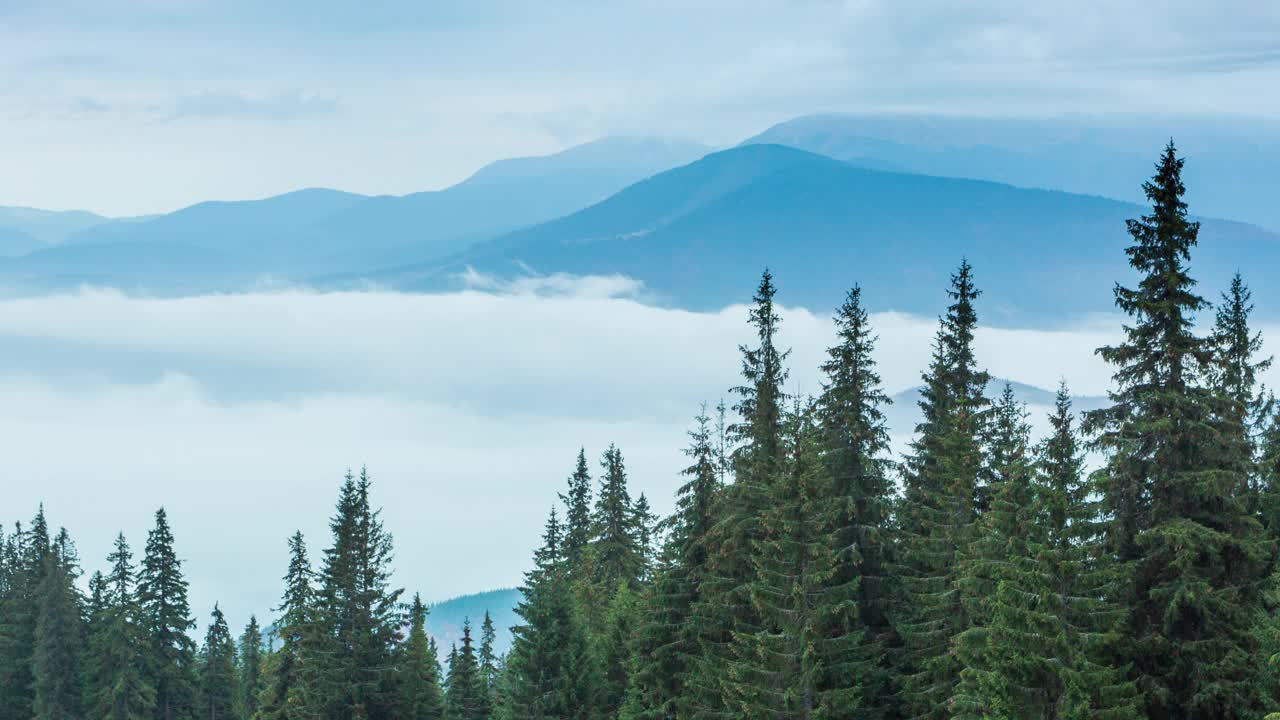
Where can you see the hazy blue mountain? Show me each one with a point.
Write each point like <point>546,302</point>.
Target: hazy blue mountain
<point>697,236</point>
<point>444,622</point>
<point>1230,169</point>
<point>48,226</point>
<point>139,267</point>
<point>318,231</point>
<point>15,242</point>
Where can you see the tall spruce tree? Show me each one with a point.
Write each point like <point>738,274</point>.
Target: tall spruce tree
<point>854,445</point>
<point>546,671</point>
<point>724,608</point>
<point>1236,378</point>
<point>166,618</point>
<point>463,698</point>
<point>616,548</point>
<point>646,525</point>
<point>612,651</point>
<point>489,665</point>
<point>577,517</point>
<point>668,635</point>
<point>939,514</point>
<point>419,671</point>
<point>289,687</point>
<point>59,635</point>
<point>804,659</point>
<point>217,696</point>
<point>117,687</point>
<point>19,606</point>
<point>1004,672</point>
<point>358,614</point>
<point>1175,463</point>
<point>249,669</point>
<point>1081,576</point>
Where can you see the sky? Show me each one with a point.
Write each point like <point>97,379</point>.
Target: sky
<point>128,107</point>
<point>240,414</point>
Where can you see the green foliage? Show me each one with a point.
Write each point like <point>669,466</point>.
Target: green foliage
<point>357,614</point>
<point>1176,462</point>
<point>578,523</point>
<point>669,637</point>
<point>616,547</point>
<point>464,692</point>
<point>548,673</point>
<point>854,446</point>
<point>59,635</point>
<point>939,514</point>
<point>419,670</point>
<point>116,687</point>
<point>289,686</point>
<point>724,609</point>
<point>249,669</point>
<point>217,671</point>
<point>166,618</point>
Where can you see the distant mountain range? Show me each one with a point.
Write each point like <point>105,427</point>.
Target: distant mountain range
<point>891,202</point>
<point>288,238</point>
<point>445,619</point>
<point>697,237</point>
<point>1230,172</point>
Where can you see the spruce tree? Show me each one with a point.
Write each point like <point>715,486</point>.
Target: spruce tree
<point>463,698</point>
<point>420,695</point>
<point>1081,577</point>
<point>669,634</point>
<point>489,665</point>
<point>577,517</point>
<point>854,443</point>
<point>358,613</point>
<point>59,636</point>
<point>217,671</point>
<point>117,687</point>
<point>939,514</point>
<point>616,548</point>
<point>547,673</point>
<point>805,658</point>
<point>289,686</point>
<point>249,669</point>
<point>166,618</point>
<point>1006,654</point>
<point>1175,464</point>
<point>724,608</point>
<point>1235,377</point>
<point>19,609</point>
<point>612,651</point>
<point>646,527</point>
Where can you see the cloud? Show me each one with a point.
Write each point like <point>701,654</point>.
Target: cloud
<point>240,414</point>
<point>91,105</point>
<point>279,106</point>
<point>424,93</point>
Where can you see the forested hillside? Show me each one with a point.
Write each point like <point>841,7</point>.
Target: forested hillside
<point>804,573</point>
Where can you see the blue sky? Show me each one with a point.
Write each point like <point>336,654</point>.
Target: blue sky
<point>136,106</point>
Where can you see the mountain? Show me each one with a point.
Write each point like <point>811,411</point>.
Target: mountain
<point>48,227</point>
<point>698,236</point>
<point>444,621</point>
<point>15,242</point>
<point>1229,173</point>
<point>319,231</point>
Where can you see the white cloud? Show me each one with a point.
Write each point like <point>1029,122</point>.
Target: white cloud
<point>240,414</point>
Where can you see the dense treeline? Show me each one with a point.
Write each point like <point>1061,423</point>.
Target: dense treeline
<point>802,574</point>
